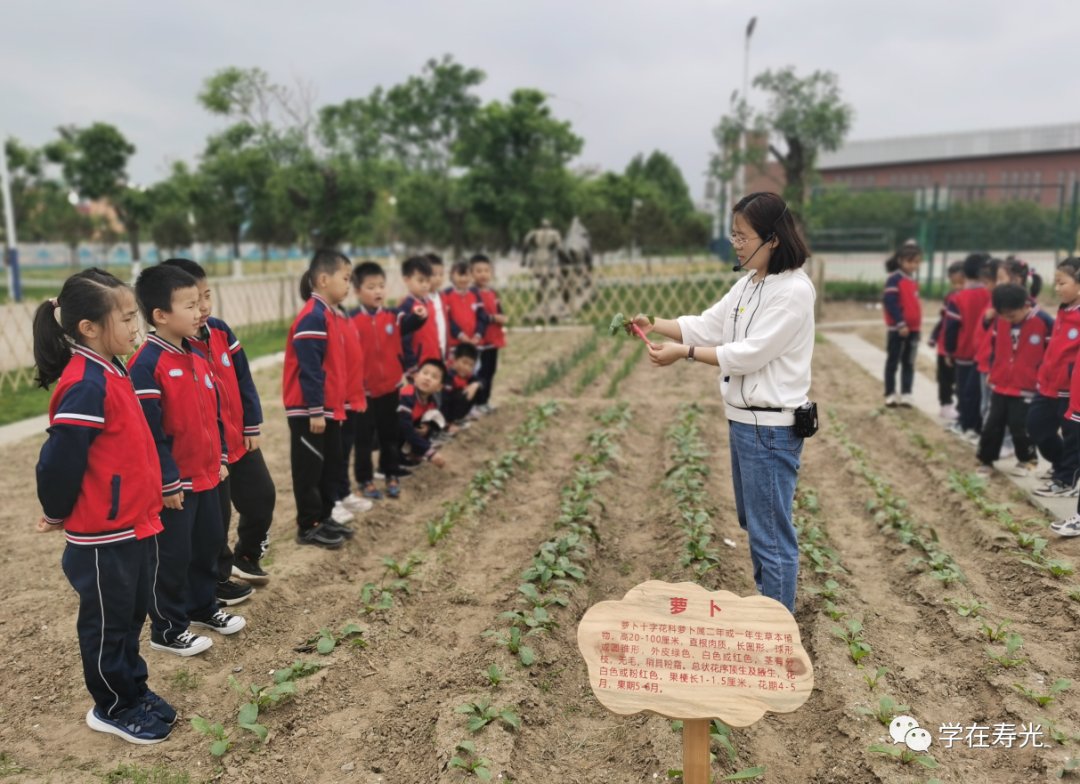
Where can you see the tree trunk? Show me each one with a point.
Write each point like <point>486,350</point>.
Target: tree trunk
<point>133,239</point>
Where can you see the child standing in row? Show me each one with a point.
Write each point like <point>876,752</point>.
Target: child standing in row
<point>380,340</point>
<point>248,485</point>
<point>419,334</point>
<point>903,317</point>
<point>964,315</point>
<point>99,481</point>
<point>494,337</point>
<point>468,319</point>
<point>946,373</point>
<point>176,388</point>
<point>314,391</point>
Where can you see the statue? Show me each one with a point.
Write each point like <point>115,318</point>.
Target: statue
<point>541,255</point>
<point>575,266</point>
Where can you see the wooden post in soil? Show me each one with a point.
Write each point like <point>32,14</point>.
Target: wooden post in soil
<point>684,652</point>
<point>695,752</point>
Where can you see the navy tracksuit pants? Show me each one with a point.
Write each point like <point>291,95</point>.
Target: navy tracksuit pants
<point>1057,438</point>
<point>184,564</point>
<point>250,489</point>
<point>968,397</point>
<point>485,374</point>
<point>113,584</point>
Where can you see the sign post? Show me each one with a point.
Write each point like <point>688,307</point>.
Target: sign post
<point>684,652</point>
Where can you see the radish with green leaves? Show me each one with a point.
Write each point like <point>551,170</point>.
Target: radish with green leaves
<point>620,323</point>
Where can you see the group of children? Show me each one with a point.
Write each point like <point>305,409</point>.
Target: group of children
<point>145,460</point>
<point>1007,362</point>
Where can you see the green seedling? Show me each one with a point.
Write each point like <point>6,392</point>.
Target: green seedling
<point>834,612</point>
<point>1042,700</point>
<point>537,619</point>
<point>1056,568</point>
<point>220,742</point>
<point>511,640</point>
<point>9,767</point>
<point>994,633</point>
<point>872,680</point>
<point>972,608</point>
<point>266,697</point>
<point>470,761</point>
<point>295,671</point>
<point>720,734</point>
<point>494,675</point>
<point>904,755</point>
<point>549,569</point>
<point>481,713</point>
<point>830,590</point>
<point>374,599</point>
<point>1074,594</point>
<point>1013,643</point>
<point>1070,765</point>
<point>247,718</point>
<point>185,680</point>
<point>325,641</point>
<point>746,774</point>
<point>536,599</point>
<point>1056,734</point>
<point>401,569</point>
<point>885,711</point>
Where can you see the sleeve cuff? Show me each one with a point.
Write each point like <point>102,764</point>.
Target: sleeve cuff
<point>252,430</point>
<point>53,520</point>
<point>316,411</point>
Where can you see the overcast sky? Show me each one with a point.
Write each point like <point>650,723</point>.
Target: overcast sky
<point>631,76</point>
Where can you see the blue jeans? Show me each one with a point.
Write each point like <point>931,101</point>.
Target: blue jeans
<point>764,469</point>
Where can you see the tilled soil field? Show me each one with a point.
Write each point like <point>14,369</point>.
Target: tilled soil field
<point>927,562</point>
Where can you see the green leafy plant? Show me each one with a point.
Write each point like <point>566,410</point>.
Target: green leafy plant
<point>185,680</point>
<point>971,608</point>
<point>852,634</point>
<point>1071,764</point>
<point>720,734</point>
<point>905,755</point>
<point>537,619</point>
<point>466,758</point>
<point>1040,699</point>
<point>537,599</point>
<point>325,641</point>
<point>1013,643</point>
<point>494,675</point>
<point>885,711</point>
<point>746,774</point>
<point>872,680</point>
<point>831,610</point>
<point>219,739</point>
<point>481,713</point>
<point>511,640</point>
<point>375,599</point>
<point>994,632</point>
<point>402,569</point>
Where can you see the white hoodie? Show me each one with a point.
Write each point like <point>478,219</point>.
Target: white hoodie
<point>764,338</point>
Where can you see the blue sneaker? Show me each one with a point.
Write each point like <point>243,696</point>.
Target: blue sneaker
<point>393,489</point>
<point>135,725</point>
<point>157,706</point>
<point>370,491</point>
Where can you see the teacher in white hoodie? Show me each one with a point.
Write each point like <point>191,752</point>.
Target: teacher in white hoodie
<point>761,336</point>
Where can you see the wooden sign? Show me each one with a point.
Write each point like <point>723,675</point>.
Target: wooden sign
<point>681,651</point>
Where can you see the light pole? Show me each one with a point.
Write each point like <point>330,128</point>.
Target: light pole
<point>740,182</point>
<point>14,284</point>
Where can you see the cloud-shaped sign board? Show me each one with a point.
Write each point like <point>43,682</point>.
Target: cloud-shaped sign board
<point>681,651</point>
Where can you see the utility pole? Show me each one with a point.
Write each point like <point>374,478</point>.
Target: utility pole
<point>740,182</point>
<point>12,261</point>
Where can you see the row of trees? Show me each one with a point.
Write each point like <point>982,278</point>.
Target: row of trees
<point>424,162</point>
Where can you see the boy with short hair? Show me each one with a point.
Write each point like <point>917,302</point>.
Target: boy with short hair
<point>465,308</point>
<point>438,311</point>
<point>380,339</point>
<point>1018,339</point>
<point>963,315</point>
<point>459,387</point>
<point>418,414</point>
<point>494,337</point>
<point>248,485</point>
<point>419,335</point>
<point>176,389</point>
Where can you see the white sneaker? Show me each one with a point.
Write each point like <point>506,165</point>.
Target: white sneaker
<point>1024,469</point>
<point>357,504</point>
<point>891,401</point>
<point>1055,489</point>
<point>971,437</point>
<point>186,644</point>
<point>341,514</point>
<point>1007,452</point>
<point>948,412</point>
<point>221,622</point>
<point>985,471</point>
<point>1069,527</point>
<point>908,401</point>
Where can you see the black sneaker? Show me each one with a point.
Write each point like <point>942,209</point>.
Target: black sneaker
<point>346,531</point>
<point>221,622</point>
<point>320,537</point>
<point>135,725</point>
<point>230,593</point>
<point>157,706</point>
<point>403,472</point>
<point>249,570</point>
<point>186,644</point>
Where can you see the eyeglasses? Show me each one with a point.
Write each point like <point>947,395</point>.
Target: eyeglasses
<point>738,240</point>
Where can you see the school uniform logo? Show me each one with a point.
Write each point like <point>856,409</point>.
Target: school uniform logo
<point>1073,333</point>
<point>389,329</point>
<point>225,358</point>
<point>176,372</point>
<point>1035,339</point>
<point>207,381</point>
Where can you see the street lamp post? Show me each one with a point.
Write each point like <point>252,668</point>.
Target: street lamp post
<point>13,282</point>
<point>740,183</point>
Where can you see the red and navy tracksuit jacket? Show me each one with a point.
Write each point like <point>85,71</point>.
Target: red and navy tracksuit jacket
<point>98,472</point>
<point>455,405</point>
<point>241,409</point>
<point>419,336</point>
<point>901,302</point>
<point>1017,352</point>
<point>411,409</point>
<point>314,376</point>
<point>179,398</point>
<point>466,313</point>
<point>964,313</point>
<point>380,340</point>
<point>1056,371</point>
<point>355,398</point>
<point>494,335</point>
<point>937,335</point>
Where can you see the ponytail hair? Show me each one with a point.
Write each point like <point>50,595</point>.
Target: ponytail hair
<point>892,264</point>
<point>1018,270</point>
<point>325,260</point>
<point>89,295</point>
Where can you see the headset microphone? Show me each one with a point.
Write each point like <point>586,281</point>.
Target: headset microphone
<point>742,266</point>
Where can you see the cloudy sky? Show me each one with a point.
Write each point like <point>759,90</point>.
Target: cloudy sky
<point>631,76</point>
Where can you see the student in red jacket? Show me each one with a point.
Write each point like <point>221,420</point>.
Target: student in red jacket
<point>459,387</point>
<point>419,331</point>
<point>314,391</point>
<point>903,317</point>
<point>419,417</point>
<point>494,337</point>
<point>380,338</point>
<point>1058,438</point>
<point>179,399</point>
<point>964,313</point>
<point>99,482</point>
<point>468,319</point>
<point>1018,339</point>
<point>248,485</point>
<point>946,373</point>
<point>350,504</point>
<point>1070,526</point>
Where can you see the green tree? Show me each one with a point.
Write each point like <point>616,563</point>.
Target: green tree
<point>172,226</point>
<point>516,154</point>
<point>668,185</point>
<point>804,117</point>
